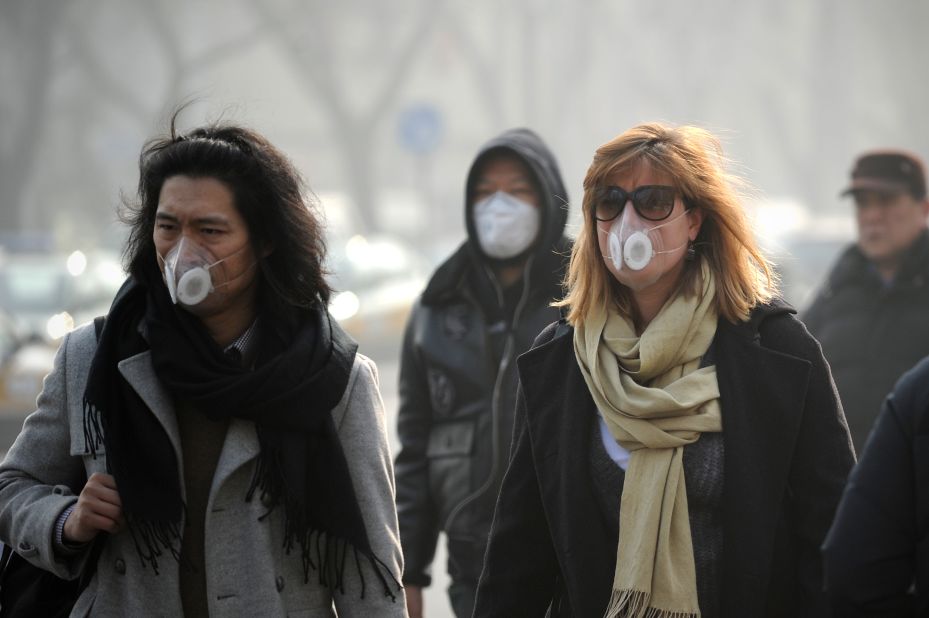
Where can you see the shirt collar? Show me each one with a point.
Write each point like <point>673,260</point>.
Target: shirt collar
<point>243,344</point>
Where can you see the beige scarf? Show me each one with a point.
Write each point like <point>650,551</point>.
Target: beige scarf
<point>655,399</point>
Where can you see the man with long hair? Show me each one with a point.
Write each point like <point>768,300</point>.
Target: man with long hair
<point>232,440</point>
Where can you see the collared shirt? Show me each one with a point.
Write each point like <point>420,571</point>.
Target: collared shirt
<point>243,347</point>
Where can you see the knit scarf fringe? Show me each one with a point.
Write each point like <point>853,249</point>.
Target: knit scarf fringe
<point>635,604</point>
<point>93,429</point>
<point>331,553</point>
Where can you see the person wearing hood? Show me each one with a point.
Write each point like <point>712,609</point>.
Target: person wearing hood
<point>481,309</point>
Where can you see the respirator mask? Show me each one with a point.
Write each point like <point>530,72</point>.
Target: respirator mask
<point>187,272</point>
<point>505,225</point>
<point>637,250</point>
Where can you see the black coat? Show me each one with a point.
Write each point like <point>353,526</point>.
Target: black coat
<point>879,544</point>
<point>458,379</point>
<point>871,333</point>
<point>787,454</point>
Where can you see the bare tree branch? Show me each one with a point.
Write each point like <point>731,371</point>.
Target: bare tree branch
<point>354,130</point>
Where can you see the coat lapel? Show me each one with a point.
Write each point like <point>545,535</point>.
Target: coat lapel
<point>761,419</point>
<point>559,418</point>
<point>241,444</point>
<point>240,447</point>
<point>140,374</point>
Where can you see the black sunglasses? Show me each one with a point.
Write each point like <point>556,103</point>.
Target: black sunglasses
<point>652,202</point>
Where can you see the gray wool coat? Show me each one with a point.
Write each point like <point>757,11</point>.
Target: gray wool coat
<point>249,573</point>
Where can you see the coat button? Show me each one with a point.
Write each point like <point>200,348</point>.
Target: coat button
<point>120,566</point>
<point>279,582</point>
<point>25,547</point>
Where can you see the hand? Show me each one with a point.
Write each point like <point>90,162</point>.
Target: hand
<point>98,509</point>
<point>414,601</point>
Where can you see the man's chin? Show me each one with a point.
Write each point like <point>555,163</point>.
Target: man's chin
<point>875,251</point>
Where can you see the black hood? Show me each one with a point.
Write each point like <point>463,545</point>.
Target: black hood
<point>552,250</point>
<point>530,148</point>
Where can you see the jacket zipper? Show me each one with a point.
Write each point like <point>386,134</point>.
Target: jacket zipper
<point>495,400</point>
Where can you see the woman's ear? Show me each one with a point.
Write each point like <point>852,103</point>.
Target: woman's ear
<point>694,221</point>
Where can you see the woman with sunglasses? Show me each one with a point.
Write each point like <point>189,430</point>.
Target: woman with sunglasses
<point>679,448</point>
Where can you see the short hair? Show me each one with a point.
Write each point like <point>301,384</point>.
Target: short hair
<point>692,158</point>
<point>267,191</point>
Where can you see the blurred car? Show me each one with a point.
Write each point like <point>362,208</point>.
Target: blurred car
<point>804,245</point>
<point>48,294</point>
<point>18,389</point>
<point>375,281</point>
<point>43,296</point>
<point>806,263</point>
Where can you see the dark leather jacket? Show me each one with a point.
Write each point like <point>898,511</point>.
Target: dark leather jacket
<point>458,380</point>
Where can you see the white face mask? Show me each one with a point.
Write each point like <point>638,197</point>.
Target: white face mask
<point>633,245</point>
<point>187,272</point>
<point>506,226</point>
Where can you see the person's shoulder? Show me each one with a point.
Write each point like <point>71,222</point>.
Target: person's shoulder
<point>910,395</point>
<point>82,340</point>
<point>364,372</point>
<point>553,342</point>
<point>362,392</point>
<point>772,315</point>
<point>775,326</point>
<point>555,330</point>
<point>849,270</point>
<point>447,277</point>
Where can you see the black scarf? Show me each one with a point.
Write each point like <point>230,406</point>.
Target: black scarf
<point>300,374</point>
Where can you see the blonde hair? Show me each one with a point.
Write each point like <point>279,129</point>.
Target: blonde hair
<point>692,158</point>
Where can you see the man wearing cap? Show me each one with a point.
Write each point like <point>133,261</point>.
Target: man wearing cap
<point>872,314</point>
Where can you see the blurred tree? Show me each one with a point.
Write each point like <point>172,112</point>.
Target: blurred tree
<point>30,30</point>
<point>311,39</point>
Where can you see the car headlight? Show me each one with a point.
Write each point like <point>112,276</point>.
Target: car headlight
<point>344,305</point>
<point>59,325</point>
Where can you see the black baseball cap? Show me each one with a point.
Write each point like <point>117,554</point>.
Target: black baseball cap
<point>889,171</point>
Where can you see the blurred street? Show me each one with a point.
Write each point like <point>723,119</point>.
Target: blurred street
<point>435,597</point>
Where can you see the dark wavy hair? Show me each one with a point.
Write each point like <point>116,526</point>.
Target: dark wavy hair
<point>268,193</point>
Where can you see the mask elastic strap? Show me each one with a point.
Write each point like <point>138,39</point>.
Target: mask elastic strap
<point>669,221</point>
<point>239,276</point>
<point>677,248</point>
<point>231,255</point>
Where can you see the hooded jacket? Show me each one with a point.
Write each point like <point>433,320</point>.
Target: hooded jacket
<point>457,375</point>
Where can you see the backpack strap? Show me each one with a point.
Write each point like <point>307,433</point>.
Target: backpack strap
<point>99,321</point>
